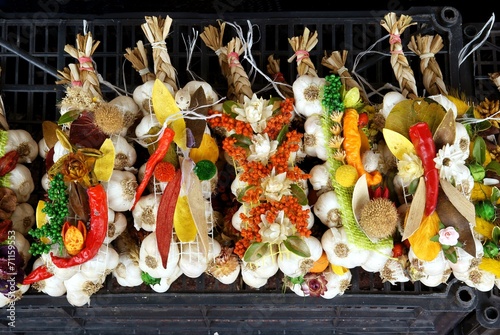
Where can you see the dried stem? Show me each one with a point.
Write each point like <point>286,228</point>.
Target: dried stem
<point>336,63</point>
<point>238,77</point>
<point>85,48</point>
<point>156,30</point>
<point>273,69</point>
<point>139,59</point>
<point>402,70</point>
<point>213,39</point>
<point>426,47</point>
<point>301,46</point>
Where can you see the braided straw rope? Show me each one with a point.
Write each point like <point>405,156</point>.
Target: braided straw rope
<point>238,77</point>
<point>402,70</point>
<point>336,62</point>
<point>213,39</point>
<point>273,69</point>
<point>138,58</point>
<point>85,48</point>
<point>156,30</point>
<point>426,47</point>
<point>301,46</point>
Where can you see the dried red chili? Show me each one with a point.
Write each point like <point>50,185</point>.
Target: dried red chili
<point>98,205</point>
<point>8,162</point>
<point>40,273</point>
<point>164,142</point>
<point>165,217</point>
<point>421,137</point>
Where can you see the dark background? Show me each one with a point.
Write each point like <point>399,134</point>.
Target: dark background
<point>471,10</point>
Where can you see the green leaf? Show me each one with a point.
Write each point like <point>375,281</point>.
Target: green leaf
<point>495,195</point>
<point>68,117</point>
<point>412,188</point>
<point>494,166</point>
<point>479,150</point>
<point>445,247</point>
<point>255,251</point>
<point>242,141</point>
<point>148,280</point>
<point>296,280</point>
<point>495,234</point>
<point>228,106</point>
<point>482,126</point>
<point>490,249</point>
<point>451,256</point>
<point>435,238</point>
<point>299,193</point>
<point>477,171</point>
<point>242,193</point>
<point>282,134</point>
<point>297,245</point>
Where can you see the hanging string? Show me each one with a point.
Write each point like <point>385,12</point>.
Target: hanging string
<point>190,47</point>
<point>462,56</point>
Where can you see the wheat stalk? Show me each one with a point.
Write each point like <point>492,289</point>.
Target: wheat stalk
<point>301,46</point>
<point>426,47</point>
<point>138,58</point>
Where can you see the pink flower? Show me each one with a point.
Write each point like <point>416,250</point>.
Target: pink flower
<point>448,236</point>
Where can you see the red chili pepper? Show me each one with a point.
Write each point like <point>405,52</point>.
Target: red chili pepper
<point>165,217</point>
<point>164,142</point>
<point>40,273</point>
<point>8,162</point>
<point>421,137</point>
<point>397,249</point>
<point>98,205</point>
<point>363,120</point>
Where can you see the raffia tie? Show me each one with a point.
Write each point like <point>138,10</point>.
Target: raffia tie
<point>301,54</point>
<point>84,64</point>
<point>233,59</point>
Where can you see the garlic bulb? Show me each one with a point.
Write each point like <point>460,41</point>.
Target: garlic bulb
<point>193,261</point>
<point>264,267</point>
<point>101,264</point>
<point>340,251</point>
<point>21,182</point>
<point>314,138</point>
<point>23,218</point>
<point>62,273</point>
<point>436,280</point>
<point>294,265</point>
<point>225,267</point>
<point>308,94</point>
<point>121,190</point>
<point>53,286</point>
<point>116,226</point>
<point>150,260</point>
<point>166,282</point>
<point>389,101</point>
<point>320,176</point>
<point>23,247</point>
<point>43,148</point>
<point>45,181</point>
<point>20,140</point>
<point>143,93</point>
<point>377,259</point>
<point>59,151</point>
<point>327,209</point>
<point>127,272</point>
<point>337,284</point>
<point>237,185</point>
<point>429,268</point>
<point>250,278</point>
<point>79,288</point>
<point>393,272</point>
<point>125,153</point>
<point>142,129</point>
<point>483,281</point>
<point>210,95</point>
<point>145,212</point>
<point>236,220</point>
<point>129,109</point>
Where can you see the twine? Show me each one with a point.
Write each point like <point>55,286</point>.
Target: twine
<point>233,59</point>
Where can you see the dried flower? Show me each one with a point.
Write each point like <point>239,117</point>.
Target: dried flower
<point>314,284</point>
<point>410,168</point>
<point>276,186</point>
<point>262,148</point>
<point>255,111</point>
<point>450,161</point>
<point>277,231</point>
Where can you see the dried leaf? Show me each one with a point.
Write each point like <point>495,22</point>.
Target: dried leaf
<point>104,165</point>
<point>255,251</point>
<point>79,201</point>
<point>49,133</point>
<point>85,134</point>
<point>197,208</point>
<point>452,216</point>
<point>197,126</point>
<point>184,225</point>
<point>445,132</point>
<point>63,139</point>
<point>165,217</point>
<point>360,197</point>
<point>397,143</point>
<point>297,245</point>
<point>165,108</point>
<point>208,149</point>
<point>461,203</point>
<point>421,243</point>
<point>416,212</point>
<point>491,265</point>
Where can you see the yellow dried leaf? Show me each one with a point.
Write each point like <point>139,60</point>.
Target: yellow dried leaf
<point>208,150</point>
<point>40,216</point>
<point>104,165</point>
<point>484,227</point>
<point>338,269</point>
<point>197,208</point>
<point>166,109</point>
<point>49,133</point>
<point>421,243</point>
<point>63,139</point>
<point>397,143</point>
<point>184,225</point>
<point>491,265</point>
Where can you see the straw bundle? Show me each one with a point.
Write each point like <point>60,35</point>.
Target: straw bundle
<point>138,58</point>
<point>301,46</point>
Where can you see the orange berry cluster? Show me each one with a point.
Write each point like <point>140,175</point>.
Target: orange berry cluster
<point>277,122</point>
<point>227,122</point>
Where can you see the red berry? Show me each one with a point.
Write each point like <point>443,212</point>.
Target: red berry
<point>397,250</point>
<point>363,120</point>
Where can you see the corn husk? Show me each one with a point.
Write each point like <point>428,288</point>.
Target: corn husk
<point>301,46</point>
<point>402,70</point>
<point>138,58</point>
<point>336,62</point>
<point>156,30</point>
<point>238,77</point>
<point>426,47</point>
<point>85,48</point>
<point>273,69</point>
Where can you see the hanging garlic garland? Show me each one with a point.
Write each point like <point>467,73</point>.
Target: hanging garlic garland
<point>399,62</point>
<point>426,47</point>
<point>336,62</point>
<point>156,30</point>
<point>138,58</point>
<point>273,69</point>
<point>301,46</point>
<point>238,77</point>
<point>85,48</point>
